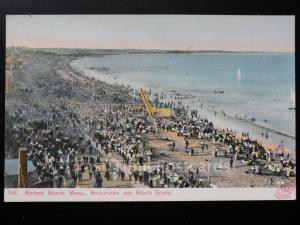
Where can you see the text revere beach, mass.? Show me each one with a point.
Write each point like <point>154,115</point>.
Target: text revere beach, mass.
<point>51,192</point>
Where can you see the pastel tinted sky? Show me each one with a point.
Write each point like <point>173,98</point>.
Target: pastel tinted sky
<point>242,33</point>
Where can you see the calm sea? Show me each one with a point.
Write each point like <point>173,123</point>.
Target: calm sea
<point>260,85</point>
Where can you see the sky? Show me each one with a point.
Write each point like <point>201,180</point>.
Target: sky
<point>170,32</point>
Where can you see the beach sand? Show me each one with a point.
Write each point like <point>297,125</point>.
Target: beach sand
<point>78,93</point>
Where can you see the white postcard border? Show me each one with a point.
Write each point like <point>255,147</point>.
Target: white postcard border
<point>141,194</point>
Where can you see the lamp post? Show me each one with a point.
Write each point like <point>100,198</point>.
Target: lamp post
<point>22,168</point>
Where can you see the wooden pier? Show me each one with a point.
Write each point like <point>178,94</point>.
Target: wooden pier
<point>146,102</point>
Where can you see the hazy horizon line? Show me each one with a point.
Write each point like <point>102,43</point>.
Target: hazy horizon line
<point>156,49</point>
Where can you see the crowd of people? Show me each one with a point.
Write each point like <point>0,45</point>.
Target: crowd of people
<point>59,157</point>
<point>59,142</point>
<point>227,144</point>
<point>56,155</point>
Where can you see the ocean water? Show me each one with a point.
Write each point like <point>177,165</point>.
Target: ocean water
<point>260,85</point>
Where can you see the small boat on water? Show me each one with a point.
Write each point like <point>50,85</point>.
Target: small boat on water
<point>219,92</point>
<point>238,74</point>
<point>292,97</point>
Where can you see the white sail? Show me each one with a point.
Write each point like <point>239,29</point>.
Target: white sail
<point>292,97</point>
<point>238,75</point>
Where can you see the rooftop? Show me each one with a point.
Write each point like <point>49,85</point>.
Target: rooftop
<point>11,167</point>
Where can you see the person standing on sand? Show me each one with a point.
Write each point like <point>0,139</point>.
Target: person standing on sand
<point>119,172</point>
<point>231,162</point>
<point>140,177</point>
<point>122,175</point>
<point>80,176</point>
<point>192,151</point>
<point>186,143</point>
<point>107,174</point>
<point>151,183</point>
<point>99,179</point>
<point>90,173</point>
<point>202,147</point>
<point>135,175</point>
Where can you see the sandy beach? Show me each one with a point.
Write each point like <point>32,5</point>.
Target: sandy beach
<point>108,132</point>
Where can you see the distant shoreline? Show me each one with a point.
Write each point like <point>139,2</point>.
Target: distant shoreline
<point>97,52</point>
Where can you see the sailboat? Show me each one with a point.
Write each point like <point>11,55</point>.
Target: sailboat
<point>292,96</point>
<point>238,74</point>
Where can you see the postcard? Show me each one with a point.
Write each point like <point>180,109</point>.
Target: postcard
<point>149,108</point>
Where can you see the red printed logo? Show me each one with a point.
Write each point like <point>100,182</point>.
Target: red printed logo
<point>284,192</point>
